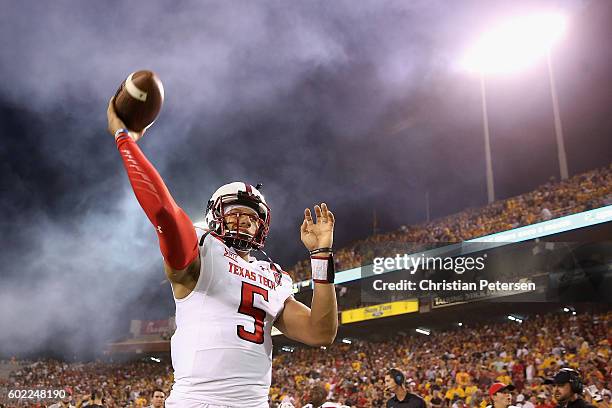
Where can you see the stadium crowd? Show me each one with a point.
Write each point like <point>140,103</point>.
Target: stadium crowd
<point>128,384</point>
<point>454,368</point>
<point>582,192</point>
<point>450,369</point>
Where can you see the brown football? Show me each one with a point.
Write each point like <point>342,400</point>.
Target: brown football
<point>139,99</point>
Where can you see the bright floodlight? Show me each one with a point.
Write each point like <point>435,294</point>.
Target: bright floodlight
<point>422,331</point>
<point>515,44</point>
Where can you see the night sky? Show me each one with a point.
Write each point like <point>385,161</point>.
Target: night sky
<point>362,105</point>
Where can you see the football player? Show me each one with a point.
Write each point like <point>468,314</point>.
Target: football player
<point>226,300</point>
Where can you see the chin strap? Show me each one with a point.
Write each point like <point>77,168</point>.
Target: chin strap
<point>204,236</point>
<point>240,244</point>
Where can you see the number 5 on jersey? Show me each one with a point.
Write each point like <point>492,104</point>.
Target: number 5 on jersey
<point>247,308</point>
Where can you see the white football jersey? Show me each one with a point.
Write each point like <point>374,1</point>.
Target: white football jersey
<point>222,346</point>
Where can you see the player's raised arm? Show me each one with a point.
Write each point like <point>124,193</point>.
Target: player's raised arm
<point>317,326</point>
<point>177,237</point>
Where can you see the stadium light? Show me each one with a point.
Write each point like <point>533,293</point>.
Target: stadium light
<point>515,44</point>
<point>570,309</point>
<point>157,360</point>
<point>288,349</point>
<point>460,324</point>
<point>515,318</point>
<point>423,331</point>
<point>347,341</point>
<point>511,46</point>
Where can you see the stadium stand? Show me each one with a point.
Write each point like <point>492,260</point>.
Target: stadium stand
<point>581,192</point>
<point>455,365</point>
<point>449,368</point>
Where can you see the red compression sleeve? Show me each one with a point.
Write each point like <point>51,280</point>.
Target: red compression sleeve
<point>177,237</point>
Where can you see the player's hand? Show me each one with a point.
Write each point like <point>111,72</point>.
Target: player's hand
<point>114,123</point>
<point>319,233</point>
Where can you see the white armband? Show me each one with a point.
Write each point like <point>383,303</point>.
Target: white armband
<point>322,268</point>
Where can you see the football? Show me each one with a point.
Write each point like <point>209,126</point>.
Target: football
<point>139,100</point>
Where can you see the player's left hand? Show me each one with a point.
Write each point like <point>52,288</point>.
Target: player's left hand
<point>319,233</point>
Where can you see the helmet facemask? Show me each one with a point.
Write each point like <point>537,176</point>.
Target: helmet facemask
<point>238,238</point>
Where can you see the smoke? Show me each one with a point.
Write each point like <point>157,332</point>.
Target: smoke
<point>309,98</point>
<point>72,274</point>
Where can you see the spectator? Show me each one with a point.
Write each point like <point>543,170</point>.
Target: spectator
<point>500,395</point>
<point>157,398</point>
<point>395,383</point>
<point>568,389</point>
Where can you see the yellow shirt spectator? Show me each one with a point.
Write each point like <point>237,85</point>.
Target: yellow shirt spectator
<point>457,391</point>
<point>462,378</point>
<point>470,389</point>
<point>504,378</point>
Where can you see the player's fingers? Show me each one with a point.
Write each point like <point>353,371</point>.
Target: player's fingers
<point>308,216</point>
<point>109,111</point>
<point>304,227</point>
<point>324,212</point>
<point>332,219</point>
<point>111,105</point>
<point>318,212</point>
<point>110,115</point>
<point>137,135</point>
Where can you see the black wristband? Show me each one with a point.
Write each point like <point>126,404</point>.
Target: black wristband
<point>319,250</point>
